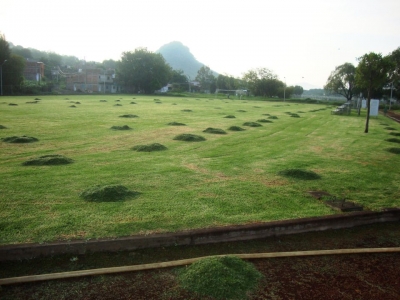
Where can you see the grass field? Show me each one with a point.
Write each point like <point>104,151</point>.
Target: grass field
<point>227,179</point>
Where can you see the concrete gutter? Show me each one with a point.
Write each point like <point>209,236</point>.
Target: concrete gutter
<point>199,236</point>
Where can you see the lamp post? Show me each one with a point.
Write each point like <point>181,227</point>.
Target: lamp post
<point>1,76</point>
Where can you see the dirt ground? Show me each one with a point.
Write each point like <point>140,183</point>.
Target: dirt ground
<point>352,276</point>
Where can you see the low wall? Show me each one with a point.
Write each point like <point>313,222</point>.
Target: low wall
<point>201,236</point>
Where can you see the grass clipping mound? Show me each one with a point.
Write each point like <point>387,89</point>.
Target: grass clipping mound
<point>149,148</point>
<point>299,174</point>
<point>125,127</point>
<point>236,128</point>
<point>48,160</point>
<point>226,277</point>
<point>214,130</point>
<point>107,193</point>
<point>187,137</point>
<point>20,139</point>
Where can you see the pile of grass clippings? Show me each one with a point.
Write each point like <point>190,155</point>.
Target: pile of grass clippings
<point>149,147</point>
<point>103,100</point>
<point>230,117</point>
<point>107,193</point>
<point>214,130</point>
<point>273,117</point>
<point>241,110</point>
<point>186,110</point>
<point>124,127</point>
<point>72,106</point>
<point>3,127</point>
<point>252,124</point>
<point>395,133</point>
<point>133,102</point>
<point>48,160</point>
<point>117,104</point>
<point>226,277</point>
<point>393,140</point>
<point>129,116</point>
<point>176,124</point>
<point>390,128</point>
<point>264,121</point>
<point>393,150</point>
<point>12,104</point>
<point>19,139</point>
<point>236,128</point>
<point>299,174</point>
<point>187,137</point>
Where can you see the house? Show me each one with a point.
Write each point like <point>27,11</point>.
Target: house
<point>92,80</point>
<point>34,70</point>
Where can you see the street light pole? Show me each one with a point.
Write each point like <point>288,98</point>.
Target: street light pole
<point>1,76</point>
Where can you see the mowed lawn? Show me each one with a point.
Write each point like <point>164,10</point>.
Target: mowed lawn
<point>227,179</point>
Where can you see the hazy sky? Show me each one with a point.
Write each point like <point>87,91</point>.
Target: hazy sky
<point>295,39</point>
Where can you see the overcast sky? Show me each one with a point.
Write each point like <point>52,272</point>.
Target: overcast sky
<point>300,41</point>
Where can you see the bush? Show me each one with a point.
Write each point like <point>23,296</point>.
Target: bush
<point>107,193</point>
<point>48,160</point>
<point>299,174</point>
<point>187,137</point>
<point>214,130</point>
<point>149,148</point>
<point>226,277</point>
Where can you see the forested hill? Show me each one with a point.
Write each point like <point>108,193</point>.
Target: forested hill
<point>179,57</point>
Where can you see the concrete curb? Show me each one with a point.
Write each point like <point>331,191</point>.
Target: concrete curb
<point>200,236</point>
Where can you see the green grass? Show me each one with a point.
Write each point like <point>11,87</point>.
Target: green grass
<point>226,179</point>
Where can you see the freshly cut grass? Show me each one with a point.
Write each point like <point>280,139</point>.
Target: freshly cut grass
<point>230,117</point>
<point>226,277</point>
<point>176,124</point>
<point>252,124</point>
<point>129,116</point>
<point>124,127</point>
<point>48,160</point>
<point>393,150</point>
<point>107,193</point>
<point>393,140</point>
<point>236,128</point>
<point>20,139</point>
<point>299,174</point>
<point>264,121</point>
<point>187,137</point>
<point>149,147</point>
<point>214,130</point>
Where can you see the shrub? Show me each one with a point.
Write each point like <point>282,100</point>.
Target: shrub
<point>214,130</point>
<point>299,174</point>
<point>20,139</point>
<point>187,137</point>
<point>149,148</point>
<point>107,193</point>
<point>47,160</point>
<point>236,128</point>
<point>124,127</point>
<point>226,277</point>
<point>252,124</point>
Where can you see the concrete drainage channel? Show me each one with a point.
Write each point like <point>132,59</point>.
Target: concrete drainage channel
<point>201,236</point>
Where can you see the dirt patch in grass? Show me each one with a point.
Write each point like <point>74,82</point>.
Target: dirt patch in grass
<point>124,127</point>
<point>264,121</point>
<point>20,139</point>
<point>48,160</point>
<point>149,147</point>
<point>187,137</point>
<point>393,150</point>
<point>236,128</point>
<point>299,174</point>
<point>176,124</point>
<point>214,130</point>
<point>252,124</point>
<point>107,193</point>
<point>129,116</point>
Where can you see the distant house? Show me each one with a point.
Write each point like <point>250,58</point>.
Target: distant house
<point>34,70</point>
<point>93,80</point>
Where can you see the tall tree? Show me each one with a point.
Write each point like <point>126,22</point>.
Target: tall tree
<point>206,78</point>
<point>143,70</point>
<point>342,81</point>
<point>394,72</point>
<point>298,90</point>
<point>371,73</point>
<point>5,51</point>
<point>13,72</point>
<point>263,82</point>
